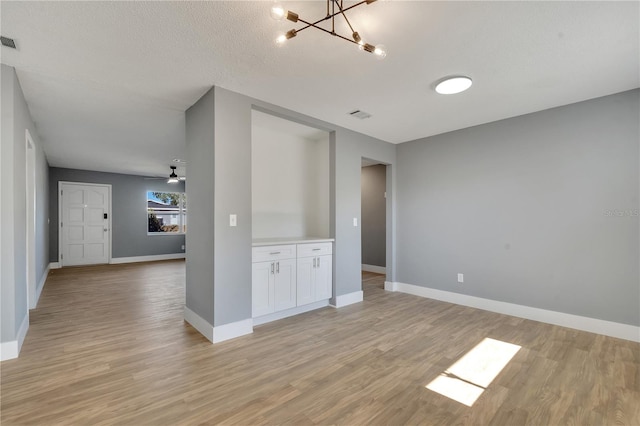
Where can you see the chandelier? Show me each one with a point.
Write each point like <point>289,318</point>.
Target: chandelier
<point>334,8</point>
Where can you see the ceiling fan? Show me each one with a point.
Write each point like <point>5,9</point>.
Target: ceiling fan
<point>173,177</point>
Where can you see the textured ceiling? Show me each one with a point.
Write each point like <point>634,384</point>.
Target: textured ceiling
<point>107,83</point>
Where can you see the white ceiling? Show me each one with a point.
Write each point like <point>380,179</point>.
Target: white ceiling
<point>107,83</point>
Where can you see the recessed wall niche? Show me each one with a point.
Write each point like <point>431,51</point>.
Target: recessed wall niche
<point>289,178</point>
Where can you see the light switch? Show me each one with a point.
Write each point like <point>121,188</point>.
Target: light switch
<point>233,220</point>
<point>460,278</point>
<point>355,221</point>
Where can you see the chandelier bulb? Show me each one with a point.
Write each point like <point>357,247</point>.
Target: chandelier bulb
<point>277,12</point>
<point>280,39</point>
<point>380,51</point>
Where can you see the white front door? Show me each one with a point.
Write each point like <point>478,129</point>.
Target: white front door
<point>84,227</point>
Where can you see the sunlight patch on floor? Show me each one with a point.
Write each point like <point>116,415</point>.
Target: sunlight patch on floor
<point>468,377</point>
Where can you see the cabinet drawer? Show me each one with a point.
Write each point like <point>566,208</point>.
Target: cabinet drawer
<point>267,253</point>
<point>314,249</point>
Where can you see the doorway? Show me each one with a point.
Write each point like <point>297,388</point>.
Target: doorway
<point>373,214</point>
<point>85,223</point>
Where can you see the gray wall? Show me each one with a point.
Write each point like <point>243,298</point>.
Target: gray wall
<point>374,217</point>
<point>200,266</point>
<point>347,150</point>
<point>128,208</point>
<point>232,252</point>
<point>13,288</point>
<point>219,135</point>
<point>525,208</point>
<point>219,158</point>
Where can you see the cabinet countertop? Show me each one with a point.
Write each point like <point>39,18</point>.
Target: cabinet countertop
<point>257,242</point>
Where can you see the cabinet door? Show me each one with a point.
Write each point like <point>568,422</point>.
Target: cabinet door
<point>262,297</point>
<point>305,278</point>
<point>285,284</point>
<point>323,278</point>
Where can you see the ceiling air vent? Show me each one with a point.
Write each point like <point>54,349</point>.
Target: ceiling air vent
<point>6,41</point>
<point>359,114</point>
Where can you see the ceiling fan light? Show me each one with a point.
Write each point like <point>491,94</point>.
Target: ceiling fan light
<point>453,85</point>
<point>173,177</point>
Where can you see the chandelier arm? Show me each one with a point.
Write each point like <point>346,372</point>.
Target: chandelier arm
<point>341,11</point>
<point>333,17</point>
<point>309,24</point>
<point>349,8</point>
<point>329,16</point>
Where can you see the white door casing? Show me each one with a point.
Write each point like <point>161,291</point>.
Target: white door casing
<point>84,232</point>
<point>30,182</point>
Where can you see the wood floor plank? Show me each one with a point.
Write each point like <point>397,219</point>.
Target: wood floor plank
<point>108,345</point>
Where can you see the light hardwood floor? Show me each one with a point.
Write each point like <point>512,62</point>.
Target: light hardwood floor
<point>108,345</point>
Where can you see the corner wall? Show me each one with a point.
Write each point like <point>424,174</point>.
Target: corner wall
<point>219,157</point>
<point>16,119</point>
<point>539,210</point>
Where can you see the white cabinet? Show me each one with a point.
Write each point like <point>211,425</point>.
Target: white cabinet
<point>284,285</point>
<point>314,278</point>
<point>262,289</point>
<point>324,277</point>
<point>273,280</point>
<point>305,281</point>
<point>287,276</point>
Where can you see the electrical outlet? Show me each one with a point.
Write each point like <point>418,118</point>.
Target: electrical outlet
<point>182,247</point>
<point>460,278</point>
<point>233,220</point>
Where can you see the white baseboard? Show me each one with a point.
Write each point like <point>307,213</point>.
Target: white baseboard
<point>40,286</point>
<point>593,325</point>
<point>11,349</point>
<point>220,333</point>
<point>374,268</point>
<point>199,323</point>
<point>290,312</point>
<point>8,350</point>
<point>232,330</point>
<point>349,299</point>
<point>152,258</point>
<point>54,265</point>
<point>22,331</point>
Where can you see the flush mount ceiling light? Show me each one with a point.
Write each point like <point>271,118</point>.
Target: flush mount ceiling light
<point>334,8</point>
<point>453,85</point>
